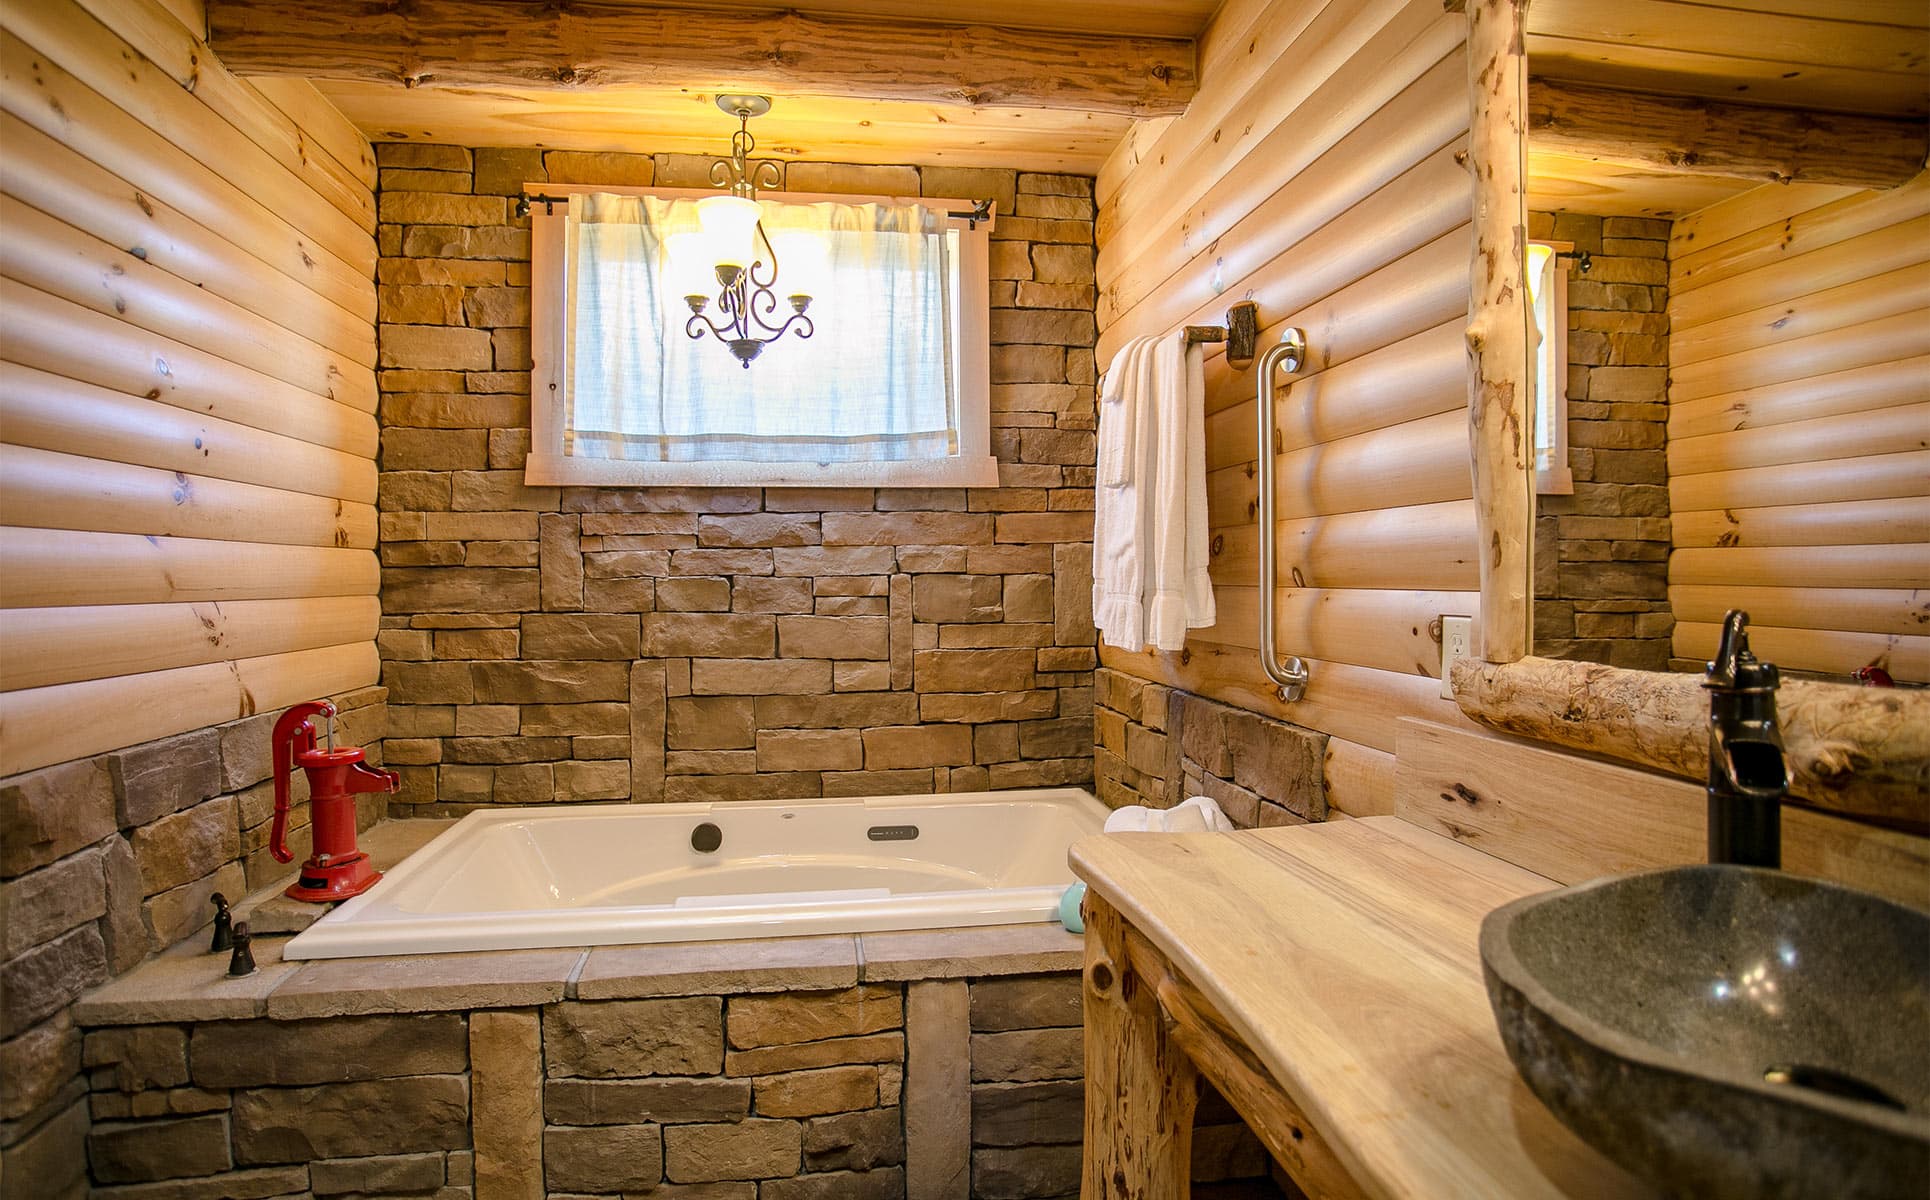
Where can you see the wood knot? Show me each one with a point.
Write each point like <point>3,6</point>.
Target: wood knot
<point>1100,977</point>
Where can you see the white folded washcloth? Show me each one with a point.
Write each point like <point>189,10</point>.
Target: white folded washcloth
<point>1200,814</point>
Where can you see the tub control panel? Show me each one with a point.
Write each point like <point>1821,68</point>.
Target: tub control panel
<point>892,833</point>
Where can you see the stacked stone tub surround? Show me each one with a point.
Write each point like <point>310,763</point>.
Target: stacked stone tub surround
<point>881,1066</point>
<point>544,644</point>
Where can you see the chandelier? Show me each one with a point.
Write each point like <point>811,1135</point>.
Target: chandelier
<point>727,249</point>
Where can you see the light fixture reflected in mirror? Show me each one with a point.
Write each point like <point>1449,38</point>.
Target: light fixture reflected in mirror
<point>728,250</point>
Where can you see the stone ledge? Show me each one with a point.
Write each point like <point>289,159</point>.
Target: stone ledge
<point>969,953</point>
<point>425,983</point>
<point>189,984</point>
<point>186,984</point>
<point>799,964</point>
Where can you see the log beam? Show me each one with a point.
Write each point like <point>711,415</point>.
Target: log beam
<point>1706,137</point>
<point>1857,751</point>
<point>537,44</point>
<point>1500,374</point>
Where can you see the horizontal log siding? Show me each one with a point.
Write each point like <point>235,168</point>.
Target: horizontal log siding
<point>1318,174</point>
<point>1799,427</point>
<point>187,388</point>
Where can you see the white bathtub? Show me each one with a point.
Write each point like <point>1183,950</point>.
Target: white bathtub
<point>599,875</point>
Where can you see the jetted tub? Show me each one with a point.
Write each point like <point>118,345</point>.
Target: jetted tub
<point>616,874</point>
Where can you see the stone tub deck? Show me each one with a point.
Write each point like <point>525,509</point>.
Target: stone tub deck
<point>881,1065</point>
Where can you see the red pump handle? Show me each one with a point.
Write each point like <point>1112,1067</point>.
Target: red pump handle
<point>294,726</point>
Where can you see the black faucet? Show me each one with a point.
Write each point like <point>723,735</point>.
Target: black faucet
<point>224,934</point>
<point>1747,775</point>
<point>242,961</point>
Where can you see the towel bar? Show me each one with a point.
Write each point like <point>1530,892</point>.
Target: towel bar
<point>1289,673</point>
<point>1241,333</point>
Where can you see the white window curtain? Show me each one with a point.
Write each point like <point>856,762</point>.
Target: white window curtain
<point>874,383</point>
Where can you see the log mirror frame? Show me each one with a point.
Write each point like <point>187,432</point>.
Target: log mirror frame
<point>1500,374</point>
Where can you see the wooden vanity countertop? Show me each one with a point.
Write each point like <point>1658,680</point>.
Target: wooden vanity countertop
<point>1346,954</point>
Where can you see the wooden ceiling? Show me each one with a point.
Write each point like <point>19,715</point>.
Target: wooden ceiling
<point>1828,56</point>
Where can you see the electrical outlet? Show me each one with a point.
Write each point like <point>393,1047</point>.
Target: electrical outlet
<point>1457,641</point>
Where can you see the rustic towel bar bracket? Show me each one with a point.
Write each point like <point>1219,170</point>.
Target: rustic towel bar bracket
<point>1241,333</point>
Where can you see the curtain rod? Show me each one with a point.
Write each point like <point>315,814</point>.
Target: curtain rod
<point>981,210</point>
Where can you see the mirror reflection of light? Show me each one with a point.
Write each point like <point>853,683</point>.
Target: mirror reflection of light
<point>1787,953</point>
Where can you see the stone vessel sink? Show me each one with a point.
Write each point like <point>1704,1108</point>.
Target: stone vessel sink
<point>1725,1031</point>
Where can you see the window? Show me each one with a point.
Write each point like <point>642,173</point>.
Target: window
<point>1548,295</point>
<point>891,390</point>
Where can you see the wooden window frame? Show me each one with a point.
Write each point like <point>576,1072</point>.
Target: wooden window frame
<point>1557,478</point>
<point>547,465</point>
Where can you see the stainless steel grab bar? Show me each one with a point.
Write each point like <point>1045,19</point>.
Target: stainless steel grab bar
<point>1290,673</point>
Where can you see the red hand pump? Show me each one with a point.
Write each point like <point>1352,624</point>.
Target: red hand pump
<point>337,869</point>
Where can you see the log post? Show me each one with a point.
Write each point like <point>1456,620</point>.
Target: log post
<point>1500,378</point>
<point>1222,1056</point>
<point>1862,752</point>
<point>1141,1088</point>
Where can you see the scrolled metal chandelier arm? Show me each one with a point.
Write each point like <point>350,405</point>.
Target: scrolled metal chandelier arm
<point>744,301</point>
<point>740,174</point>
<point>747,294</point>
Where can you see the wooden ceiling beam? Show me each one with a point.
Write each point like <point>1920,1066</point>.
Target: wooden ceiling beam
<point>578,44</point>
<point>1706,137</point>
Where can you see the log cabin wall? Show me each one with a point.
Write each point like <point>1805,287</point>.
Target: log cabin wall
<point>1319,174</point>
<point>189,391</point>
<point>684,644</point>
<point>187,408</point>
<point>1799,426</point>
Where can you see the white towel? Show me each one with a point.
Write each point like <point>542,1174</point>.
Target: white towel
<point>1117,577</point>
<point>1197,815</point>
<point>1150,581</point>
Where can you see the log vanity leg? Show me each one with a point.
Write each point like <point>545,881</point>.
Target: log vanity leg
<point>1151,1037</point>
<point>1141,1088</point>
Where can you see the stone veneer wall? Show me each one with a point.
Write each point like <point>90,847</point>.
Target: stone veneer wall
<point>1158,745</point>
<point>103,861</point>
<point>861,1093</point>
<point>1601,554</point>
<point>734,643</point>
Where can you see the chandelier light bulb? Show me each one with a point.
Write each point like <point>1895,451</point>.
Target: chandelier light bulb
<point>730,224</point>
